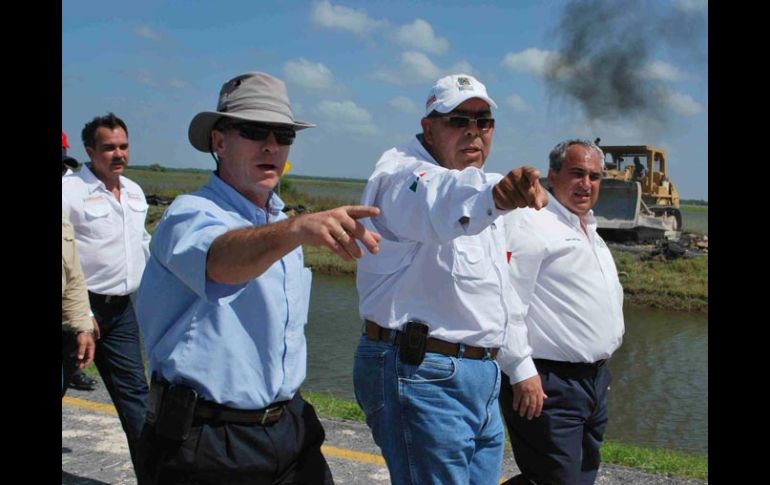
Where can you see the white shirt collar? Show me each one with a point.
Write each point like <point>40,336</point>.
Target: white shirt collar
<point>571,217</point>
<point>93,182</point>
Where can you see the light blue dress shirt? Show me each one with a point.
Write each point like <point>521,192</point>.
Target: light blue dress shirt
<point>238,345</point>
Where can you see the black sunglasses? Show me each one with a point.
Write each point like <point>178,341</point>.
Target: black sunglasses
<point>251,131</point>
<point>457,121</point>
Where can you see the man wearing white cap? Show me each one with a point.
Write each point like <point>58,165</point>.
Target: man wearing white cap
<point>435,301</point>
<point>224,301</point>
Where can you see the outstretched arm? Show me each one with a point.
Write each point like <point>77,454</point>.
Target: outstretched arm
<point>240,255</point>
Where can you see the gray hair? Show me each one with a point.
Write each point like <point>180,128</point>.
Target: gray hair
<point>559,152</point>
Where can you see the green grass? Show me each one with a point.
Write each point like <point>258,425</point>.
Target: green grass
<point>324,261</point>
<point>694,208</point>
<point>168,183</point>
<point>681,284</point>
<point>91,371</point>
<point>656,460</point>
<point>329,406</point>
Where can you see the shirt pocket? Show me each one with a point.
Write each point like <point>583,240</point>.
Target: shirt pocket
<point>138,211</point>
<point>470,261</point>
<point>98,220</point>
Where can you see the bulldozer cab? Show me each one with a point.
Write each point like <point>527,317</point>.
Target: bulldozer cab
<point>646,165</point>
<point>637,200</point>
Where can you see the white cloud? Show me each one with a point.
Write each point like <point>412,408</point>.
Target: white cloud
<point>662,71</point>
<point>337,17</point>
<point>148,33</point>
<point>691,5</point>
<point>534,61</point>
<point>308,74</point>
<point>682,104</point>
<point>462,67</point>
<point>517,102</point>
<point>404,104</point>
<point>420,65</point>
<point>420,35</point>
<point>413,68</point>
<point>346,116</point>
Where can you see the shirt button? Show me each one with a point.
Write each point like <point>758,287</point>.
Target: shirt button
<point>489,212</point>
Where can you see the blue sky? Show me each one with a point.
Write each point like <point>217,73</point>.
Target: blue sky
<point>362,70</point>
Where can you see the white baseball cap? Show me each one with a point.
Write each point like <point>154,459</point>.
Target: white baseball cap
<point>453,90</point>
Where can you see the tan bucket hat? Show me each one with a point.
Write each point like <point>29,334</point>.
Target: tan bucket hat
<point>253,96</point>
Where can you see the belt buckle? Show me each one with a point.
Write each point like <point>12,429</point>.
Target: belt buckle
<point>267,413</point>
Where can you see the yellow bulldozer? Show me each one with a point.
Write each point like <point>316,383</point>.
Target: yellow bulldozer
<point>637,201</point>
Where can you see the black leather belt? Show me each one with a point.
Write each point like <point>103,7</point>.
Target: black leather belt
<point>211,411</point>
<point>571,369</point>
<point>378,333</point>
<point>216,412</point>
<point>112,300</point>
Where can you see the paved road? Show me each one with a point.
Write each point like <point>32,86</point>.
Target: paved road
<point>94,449</point>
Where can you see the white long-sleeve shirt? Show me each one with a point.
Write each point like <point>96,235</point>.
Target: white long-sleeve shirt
<point>568,283</point>
<point>442,259</point>
<point>112,242</point>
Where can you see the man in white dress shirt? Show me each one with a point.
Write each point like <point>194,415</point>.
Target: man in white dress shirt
<point>434,299</point>
<point>108,212</point>
<point>564,275</point>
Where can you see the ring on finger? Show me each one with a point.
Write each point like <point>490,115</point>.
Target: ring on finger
<point>340,234</point>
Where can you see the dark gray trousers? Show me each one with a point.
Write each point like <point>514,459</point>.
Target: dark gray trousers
<point>562,445</point>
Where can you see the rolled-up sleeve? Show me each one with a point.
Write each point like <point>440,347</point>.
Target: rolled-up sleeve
<point>182,244</point>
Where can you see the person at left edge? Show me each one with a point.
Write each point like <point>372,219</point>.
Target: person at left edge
<point>224,302</point>
<point>78,379</point>
<point>77,327</point>
<point>108,212</point>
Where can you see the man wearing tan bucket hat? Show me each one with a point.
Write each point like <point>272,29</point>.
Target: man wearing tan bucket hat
<point>223,304</point>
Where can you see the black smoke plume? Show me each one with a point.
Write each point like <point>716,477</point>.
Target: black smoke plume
<point>605,47</point>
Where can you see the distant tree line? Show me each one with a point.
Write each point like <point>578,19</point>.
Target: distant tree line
<point>694,202</point>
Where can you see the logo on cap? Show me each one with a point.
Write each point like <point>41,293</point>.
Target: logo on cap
<point>463,84</point>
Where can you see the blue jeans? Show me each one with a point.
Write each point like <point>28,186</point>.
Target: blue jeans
<point>436,423</point>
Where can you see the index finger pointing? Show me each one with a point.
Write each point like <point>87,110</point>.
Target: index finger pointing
<point>368,238</point>
<point>532,174</point>
<point>361,211</point>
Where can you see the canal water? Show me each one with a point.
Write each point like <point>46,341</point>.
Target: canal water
<point>659,393</point>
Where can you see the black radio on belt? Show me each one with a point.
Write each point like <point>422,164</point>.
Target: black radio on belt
<point>413,340</point>
<point>176,413</point>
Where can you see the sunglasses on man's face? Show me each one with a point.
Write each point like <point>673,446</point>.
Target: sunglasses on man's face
<point>251,131</point>
<point>457,121</point>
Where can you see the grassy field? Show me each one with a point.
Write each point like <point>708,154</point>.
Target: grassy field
<point>695,218</point>
<point>680,284</point>
<point>168,183</point>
